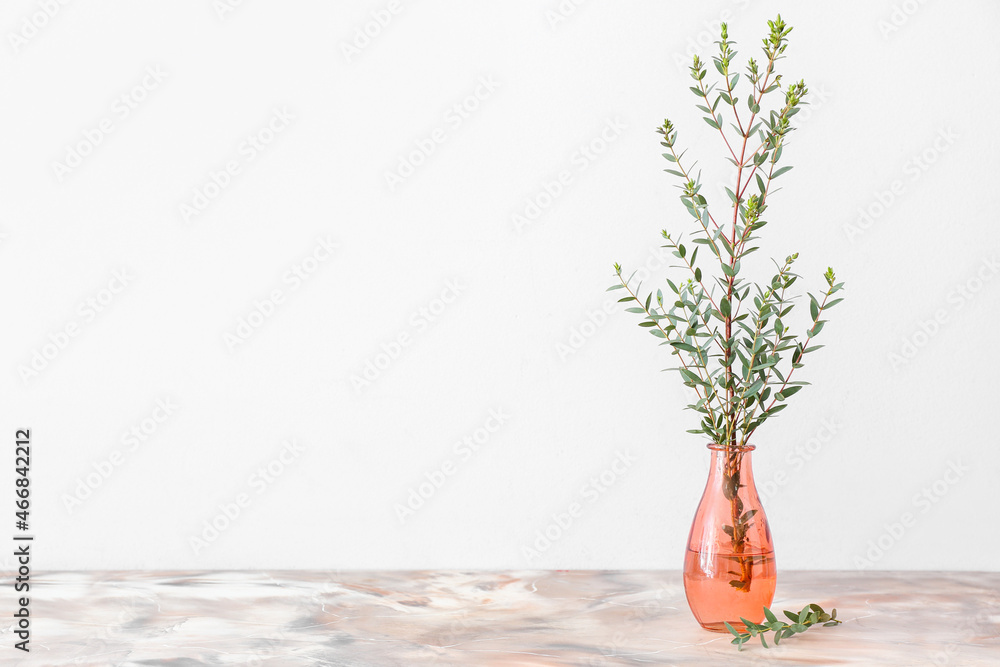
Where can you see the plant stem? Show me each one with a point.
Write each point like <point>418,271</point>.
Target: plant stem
<point>733,456</point>
<point>733,466</point>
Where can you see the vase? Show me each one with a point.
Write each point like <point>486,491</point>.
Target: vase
<point>729,570</point>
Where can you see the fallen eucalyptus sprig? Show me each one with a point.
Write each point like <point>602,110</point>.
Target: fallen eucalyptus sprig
<point>810,615</point>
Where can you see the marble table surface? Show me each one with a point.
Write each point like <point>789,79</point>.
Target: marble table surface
<point>357,619</point>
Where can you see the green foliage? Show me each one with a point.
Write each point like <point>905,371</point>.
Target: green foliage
<point>730,334</point>
<point>800,622</point>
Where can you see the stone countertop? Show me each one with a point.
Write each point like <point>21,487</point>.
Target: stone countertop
<point>460,618</point>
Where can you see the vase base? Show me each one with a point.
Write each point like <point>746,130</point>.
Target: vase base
<point>721,627</point>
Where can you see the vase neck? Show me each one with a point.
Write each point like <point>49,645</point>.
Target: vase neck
<point>725,459</point>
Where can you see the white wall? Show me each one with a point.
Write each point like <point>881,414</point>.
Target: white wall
<point>852,454</point>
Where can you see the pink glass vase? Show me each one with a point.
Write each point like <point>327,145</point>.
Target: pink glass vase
<point>729,569</point>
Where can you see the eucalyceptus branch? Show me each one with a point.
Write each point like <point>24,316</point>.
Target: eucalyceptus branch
<point>734,338</point>
<point>810,615</point>
<point>737,348</point>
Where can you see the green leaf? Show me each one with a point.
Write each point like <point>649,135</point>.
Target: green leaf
<point>614,287</point>
<point>813,307</point>
<point>626,299</point>
<point>711,122</point>
<point>793,617</point>
<point>725,244</point>
<point>690,376</point>
<point>725,307</point>
<point>657,333</point>
<point>731,629</point>
<point>785,393</point>
<point>781,171</point>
